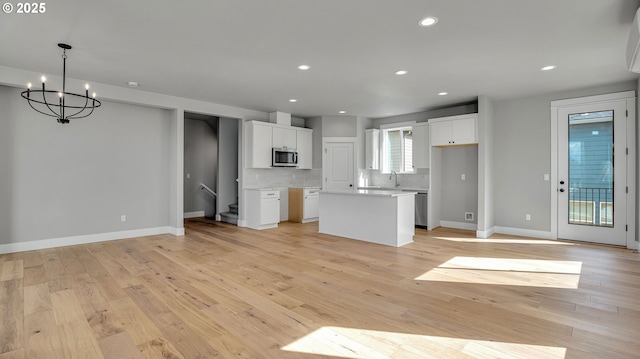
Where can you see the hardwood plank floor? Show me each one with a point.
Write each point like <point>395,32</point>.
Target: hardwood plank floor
<point>228,292</point>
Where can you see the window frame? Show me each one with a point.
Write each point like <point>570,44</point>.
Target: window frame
<point>384,164</point>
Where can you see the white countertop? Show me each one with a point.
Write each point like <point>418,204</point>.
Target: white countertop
<point>371,192</point>
<point>379,188</point>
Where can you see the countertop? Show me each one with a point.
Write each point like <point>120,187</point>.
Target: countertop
<point>371,192</point>
<point>379,188</point>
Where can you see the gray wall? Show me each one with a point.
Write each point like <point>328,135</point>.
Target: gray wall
<point>486,189</point>
<point>200,163</point>
<point>522,155</point>
<point>227,163</point>
<point>459,196</point>
<point>339,126</point>
<point>454,110</point>
<point>79,178</point>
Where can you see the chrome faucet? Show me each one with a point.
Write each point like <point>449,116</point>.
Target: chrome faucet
<point>394,173</point>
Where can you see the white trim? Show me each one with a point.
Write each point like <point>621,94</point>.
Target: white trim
<point>398,125</point>
<point>194,214</point>
<point>524,232</point>
<point>84,239</point>
<point>459,225</point>
<point>176,231</point>
<point>589,100</point>
<point>486,234</point>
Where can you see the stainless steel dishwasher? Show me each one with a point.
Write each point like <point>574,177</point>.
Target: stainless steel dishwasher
<point>422,210</point>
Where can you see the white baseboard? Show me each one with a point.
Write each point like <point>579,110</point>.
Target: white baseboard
<point>523,232</point>
<point>459,225</point>
<point>486,234</point>
<point>242,223</point>
<point>84,239</point>
<point>194,214</point>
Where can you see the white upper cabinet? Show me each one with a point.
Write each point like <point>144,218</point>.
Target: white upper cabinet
<point>284,138</point>
<point>258,136</point>
<point>304,145</point>
<point>372,149</point>
<point>454,130</point>
<point>420,145</point>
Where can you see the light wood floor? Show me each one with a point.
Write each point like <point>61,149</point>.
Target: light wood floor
<point>229,292</point>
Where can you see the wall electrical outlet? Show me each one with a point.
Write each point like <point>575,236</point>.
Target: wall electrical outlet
<point>123,218</point>
<point>463,177</point>
<point>188,175</point>
<point>468,216</point>
<point>527,217</point>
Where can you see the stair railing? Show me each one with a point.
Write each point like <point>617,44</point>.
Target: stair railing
<point>207,190</point>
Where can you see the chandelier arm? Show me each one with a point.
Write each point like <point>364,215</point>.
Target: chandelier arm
<point>86,100</point>
<point>44,99</point>
<point>90,112</point>
<point>44,113</point>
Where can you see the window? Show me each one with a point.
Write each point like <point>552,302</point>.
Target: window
<point>397,147</point>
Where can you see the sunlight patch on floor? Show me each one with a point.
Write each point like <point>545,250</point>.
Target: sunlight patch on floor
<point>507,241</point>
<point>363,343</point>
<point>507,271</point>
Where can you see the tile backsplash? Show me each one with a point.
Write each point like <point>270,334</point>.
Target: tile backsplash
<point>291,177</point>
<point>282,177</point>
<point>407,180</point>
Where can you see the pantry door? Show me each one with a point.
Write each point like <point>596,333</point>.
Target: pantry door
<point>338,164</point>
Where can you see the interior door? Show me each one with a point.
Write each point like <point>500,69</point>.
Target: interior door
<point>592,177</point>
<point>338,166</point>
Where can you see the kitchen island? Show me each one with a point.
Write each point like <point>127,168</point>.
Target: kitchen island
<point>377,216</point>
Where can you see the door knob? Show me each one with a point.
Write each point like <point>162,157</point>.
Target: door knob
<point>561,189</point>
<point>561,182</point>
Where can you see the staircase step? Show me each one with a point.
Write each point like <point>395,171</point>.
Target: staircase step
<point>233,208</point>
<point>229,217</point>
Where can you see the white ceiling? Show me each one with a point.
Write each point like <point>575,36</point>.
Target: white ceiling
<point>245,53</point>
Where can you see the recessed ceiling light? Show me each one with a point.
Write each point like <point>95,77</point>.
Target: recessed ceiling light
<point>401,72</point>
<point>342,111</point>
<point>304,67</point>
<point>547,68</point>
<point>428,21</point>
<point>443,93</point>
<point>133,84</point>
<point>293,100</point>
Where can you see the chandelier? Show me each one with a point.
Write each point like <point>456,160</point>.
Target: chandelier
<point>62,105</point>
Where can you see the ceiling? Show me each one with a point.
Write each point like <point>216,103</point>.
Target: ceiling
<point>245,53</point>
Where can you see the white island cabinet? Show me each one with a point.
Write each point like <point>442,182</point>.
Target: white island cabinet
<point>383,217</point>
<point>263,208</point>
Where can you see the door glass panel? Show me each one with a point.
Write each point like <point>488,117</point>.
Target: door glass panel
<point>591,169</point>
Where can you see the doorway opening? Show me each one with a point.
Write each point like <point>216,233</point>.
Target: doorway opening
<point>211,167</point>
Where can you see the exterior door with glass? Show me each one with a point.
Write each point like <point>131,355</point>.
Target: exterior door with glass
<point>592,172</point>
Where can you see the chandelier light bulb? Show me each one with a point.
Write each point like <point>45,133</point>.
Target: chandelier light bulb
<point>86,86</point>
<point>94,95</point>
<point>60,94</point>
<point>43,79</point>
<point>29,85</point>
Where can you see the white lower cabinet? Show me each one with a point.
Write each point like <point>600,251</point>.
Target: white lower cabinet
<point>311,204</point>
<point>263,208</point>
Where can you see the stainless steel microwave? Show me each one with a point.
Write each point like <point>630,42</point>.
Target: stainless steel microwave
<point>284,157</point>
